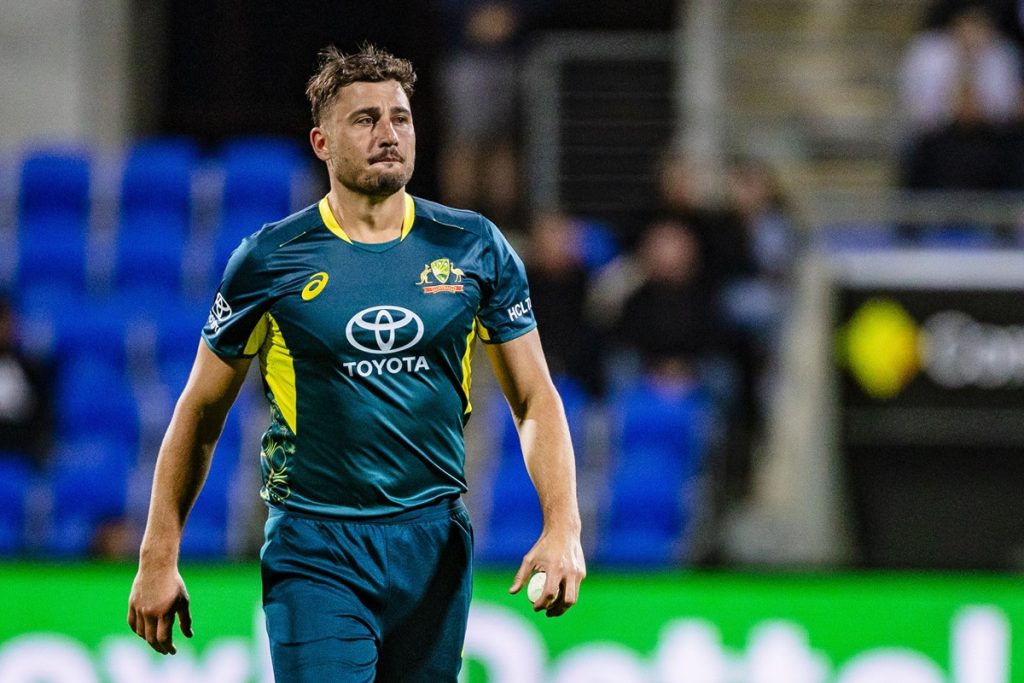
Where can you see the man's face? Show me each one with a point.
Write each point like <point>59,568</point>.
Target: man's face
<point>367,138</point>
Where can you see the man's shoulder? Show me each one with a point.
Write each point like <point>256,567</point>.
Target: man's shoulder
<point>277,234</point>
<point>253,251</point>
<point>462,219</point>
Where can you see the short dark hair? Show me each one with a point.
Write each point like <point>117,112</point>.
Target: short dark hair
<point>336,70</point>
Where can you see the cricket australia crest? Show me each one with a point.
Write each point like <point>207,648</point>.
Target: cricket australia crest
<point>435,276</point>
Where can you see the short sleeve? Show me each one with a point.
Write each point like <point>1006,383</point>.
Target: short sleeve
<point>236,325</point>
<point>506,311</point>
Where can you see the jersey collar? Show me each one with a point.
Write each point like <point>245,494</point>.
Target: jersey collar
<point>332,223</point>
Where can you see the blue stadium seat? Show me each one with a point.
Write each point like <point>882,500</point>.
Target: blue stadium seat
<point>257,190</point>
<point>243,147</point>
<point>96,329</point>
<point>95,400</point>
<point>598,245</point>
<point>150,251</point>
<point>48,304</point>
<point>206,532</point>
<point>659,448</point>
<point>157,180</point>
<point>155,212</point>
<point>55,181</point>
<point>574,400</point>
<point>514,520</point>
<point>173,372</point>
<point>88,483</point>
<point>179,331</point>
<point>644,517</point>
<point>48,252</point>
<point>53,217</point>
<point>16,482</point>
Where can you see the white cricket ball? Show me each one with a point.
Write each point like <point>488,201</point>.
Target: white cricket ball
<point>536,586</point>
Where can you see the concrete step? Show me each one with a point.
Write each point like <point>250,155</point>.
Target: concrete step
<point>813,83</point>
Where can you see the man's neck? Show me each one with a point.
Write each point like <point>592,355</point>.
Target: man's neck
<point>371,220</point>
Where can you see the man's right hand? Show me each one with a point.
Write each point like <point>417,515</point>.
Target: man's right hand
<point>156,597</point>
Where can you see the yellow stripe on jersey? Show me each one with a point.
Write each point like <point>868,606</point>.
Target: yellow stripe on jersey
<point>332,223</point>
<point>410,215</point>
<point>256,338</point>
<point>467,365</point>
<point>278,370</point>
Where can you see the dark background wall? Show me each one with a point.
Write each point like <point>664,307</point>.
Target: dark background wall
<point>240,66</point>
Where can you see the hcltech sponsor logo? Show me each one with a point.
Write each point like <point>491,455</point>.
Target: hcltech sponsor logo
<point>219,313</point>
<point>520,309</point>
<point>885,349</point>
<point>383,330</point>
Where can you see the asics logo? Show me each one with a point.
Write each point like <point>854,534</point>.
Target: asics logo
<point>315,285</point>
<point>384,329</point>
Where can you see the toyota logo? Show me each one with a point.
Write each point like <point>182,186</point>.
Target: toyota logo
<point>384,329</point>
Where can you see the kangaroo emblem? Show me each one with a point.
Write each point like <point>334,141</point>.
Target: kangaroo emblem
<point>424,275</point>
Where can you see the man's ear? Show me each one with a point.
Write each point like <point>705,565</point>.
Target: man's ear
<point>318,141</point>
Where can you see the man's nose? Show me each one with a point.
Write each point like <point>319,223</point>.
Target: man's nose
<point>387,133</point>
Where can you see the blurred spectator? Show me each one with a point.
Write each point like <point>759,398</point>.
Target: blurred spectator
<point>755,302</point>
<point>968,153</point>
<point>480,100</point>
<point>1007,15</point>
<point>558,287</point>
<point>755,195</point>
<point>719,232</point>
<point>669,319</point>
<point>968,48</point>
<point>559,283</point>
<point>26,394</point>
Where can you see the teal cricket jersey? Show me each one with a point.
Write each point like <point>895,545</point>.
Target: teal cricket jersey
<point>365,351</point>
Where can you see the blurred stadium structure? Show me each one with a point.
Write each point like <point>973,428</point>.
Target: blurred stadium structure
<point>113,244</point>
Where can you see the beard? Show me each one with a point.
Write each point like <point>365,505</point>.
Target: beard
<point>377,183</point>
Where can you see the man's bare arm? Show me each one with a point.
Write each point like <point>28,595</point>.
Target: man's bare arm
<point>547,449</point>
<point>158,593</point>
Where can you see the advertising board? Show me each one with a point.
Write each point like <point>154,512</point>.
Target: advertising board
<point>66,624</point>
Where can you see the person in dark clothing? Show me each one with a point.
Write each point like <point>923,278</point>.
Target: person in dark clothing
<point>720,233</point>
<point>969,153</point>
<point>559,283</point>
<point>26,404</point>
<point>669,321</point>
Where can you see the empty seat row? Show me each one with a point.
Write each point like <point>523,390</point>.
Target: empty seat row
<point>648,483</point>
<point>88,486</point>
<point>168,197</point>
